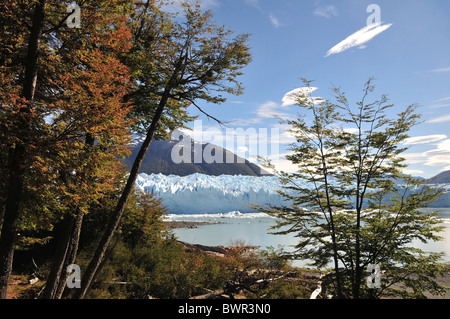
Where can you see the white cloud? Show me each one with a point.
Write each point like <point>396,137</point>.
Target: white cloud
<point>440,155</point>
<point>274,20</point>
<point>358,38</point>
<point>443,100</point>
<point>285,137</point>
<point>351,130</point>
<point>440,119</point>
<point>240,122</point>
<point>439,105</point>
<point>284,165</point>
<point>271,109</point>
<point>447,69</point>
<point>447,168</point>
<point>246,143</point>
<point>438,160</point>
<point>414,158</point>
<point>425,139</point>
<point>412,171</point>
<point>326,11</point>
<point>290,98</point>
<point>242,149</point>
<point>253,3</point>
<point>280,163</point>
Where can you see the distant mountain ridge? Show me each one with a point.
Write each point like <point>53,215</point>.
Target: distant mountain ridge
<point>159,161</point>
<point>442,178</point>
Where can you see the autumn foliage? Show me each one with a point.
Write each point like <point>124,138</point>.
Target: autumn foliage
<point>71,97</point>
<point>62,136</point>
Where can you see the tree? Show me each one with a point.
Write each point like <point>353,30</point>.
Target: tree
<point>349,203</point>
<point>194,60</point>
<point>63,117</point>
<point>21,105</point>
<point>90,120</point>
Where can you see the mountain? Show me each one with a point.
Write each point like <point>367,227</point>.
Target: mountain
<point>442,178</point>
<point>159,160</point>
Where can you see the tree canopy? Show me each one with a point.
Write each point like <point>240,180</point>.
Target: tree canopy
<point>70,98</point>
<point>350,205</point>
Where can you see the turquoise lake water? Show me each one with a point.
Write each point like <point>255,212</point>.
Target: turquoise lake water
<point>253,229</point>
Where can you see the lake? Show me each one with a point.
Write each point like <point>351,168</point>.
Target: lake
<point>253,229</point>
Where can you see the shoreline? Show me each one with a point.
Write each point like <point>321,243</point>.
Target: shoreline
<point>188,224</point>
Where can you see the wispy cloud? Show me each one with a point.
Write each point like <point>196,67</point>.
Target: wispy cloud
<point>425,139</point>
<point>440,70</point>
<point>274,20</point>
<point>253,3</point>
<point>440,119</point>
<point>286,136</point>
<point>414,158</point>
<point>439,105</point>
<point>272,109</point>
<point>412,171</point>
<point>360,37</point>
<point>443,100</point>
<point>326,11</point>
<point>241,122</point>
<point>439,156</point>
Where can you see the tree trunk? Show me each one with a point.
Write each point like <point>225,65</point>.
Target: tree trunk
<point>67,247</point>
<point>99,255</point>
<point>19,156</point>
<point>333,230</point>
<point>53,278</point>
<point>358,269</point>
<point>117,215</point>
<point>10,220</point>
<point>109,253</point>
<point>71,252</point>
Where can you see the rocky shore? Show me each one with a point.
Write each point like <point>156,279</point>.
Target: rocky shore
<point>187,224</point>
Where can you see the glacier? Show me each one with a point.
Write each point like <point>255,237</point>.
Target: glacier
<point>205,194</point>
<point>444,199</point>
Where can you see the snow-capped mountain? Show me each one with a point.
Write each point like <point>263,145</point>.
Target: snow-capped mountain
<point>159,160</point>
<point>216,188</point>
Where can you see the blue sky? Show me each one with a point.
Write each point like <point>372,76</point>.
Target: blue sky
<point>329,42</point>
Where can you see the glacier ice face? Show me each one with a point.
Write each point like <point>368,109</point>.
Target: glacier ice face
<point>205,194</point>
<point>444,199</point>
